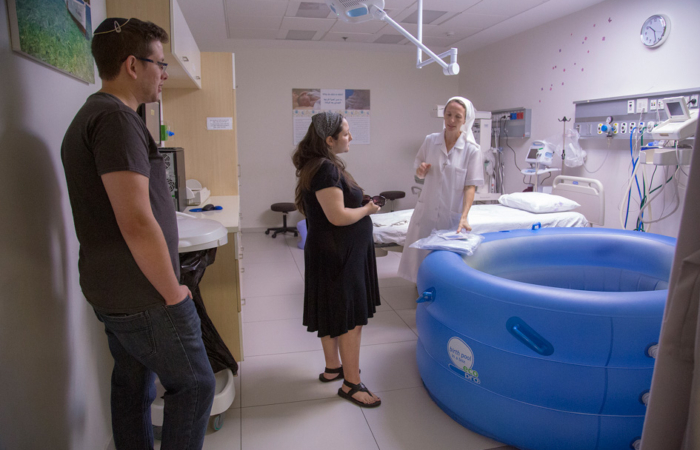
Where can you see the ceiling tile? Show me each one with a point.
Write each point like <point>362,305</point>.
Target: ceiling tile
<point>249,33</point>
<point>372,26</point>
<point>389,39</point>
<point>266,22</point>
<point>411,28</point>
<point>439,42</point>
<point>282,34</point>
<point>448,5</point>
<point>507,8</point>
<point>300,35</point>
<point>300,23</point>
<point>399,4</point>
<point>257,7</point>
<point>313,10</point>
<point>294,7</point>
<point>429,16</point>
<point>351,37</point>
<point>470,20</point>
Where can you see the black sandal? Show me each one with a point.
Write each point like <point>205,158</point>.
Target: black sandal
<point>354,389</point>
<point>339,371</point>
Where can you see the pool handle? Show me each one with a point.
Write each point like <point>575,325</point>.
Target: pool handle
<point>525,334</point>
<point>427,296</point>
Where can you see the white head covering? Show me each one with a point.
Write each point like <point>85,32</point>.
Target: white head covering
<point>469,117</point>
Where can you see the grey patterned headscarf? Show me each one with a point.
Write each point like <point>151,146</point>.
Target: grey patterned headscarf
<point>326,123</point>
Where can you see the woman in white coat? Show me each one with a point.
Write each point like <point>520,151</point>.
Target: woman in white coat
<point>451,164</point>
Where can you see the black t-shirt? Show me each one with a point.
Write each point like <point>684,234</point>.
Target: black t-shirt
<point>108,136</point>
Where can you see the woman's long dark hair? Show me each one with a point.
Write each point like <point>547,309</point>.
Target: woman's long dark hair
<point>311,152</point>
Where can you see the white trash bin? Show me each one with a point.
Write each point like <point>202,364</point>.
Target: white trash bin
<point>224,394</point>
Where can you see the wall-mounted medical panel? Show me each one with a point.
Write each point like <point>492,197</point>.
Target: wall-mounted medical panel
<point>512,123</point>
<point>617,117</point>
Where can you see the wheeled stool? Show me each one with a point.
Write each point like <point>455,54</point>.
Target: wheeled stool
<point>284,208</point>
<point>393,195</point>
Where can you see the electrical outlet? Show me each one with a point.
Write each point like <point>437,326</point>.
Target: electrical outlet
<point>616,127</point>
<point>660,104</point>
<point>641,127</point>
<point>632,125</point>
<point>623,128</point>
<point>599,128</point>
<point>652,105</point>
<point>630,106</point>
<point>695,103</point>
<point>642,105</point>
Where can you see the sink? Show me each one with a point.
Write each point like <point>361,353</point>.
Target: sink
<point>199,234</point>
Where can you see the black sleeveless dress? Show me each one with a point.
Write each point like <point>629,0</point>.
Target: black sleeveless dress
<point>341,290</point>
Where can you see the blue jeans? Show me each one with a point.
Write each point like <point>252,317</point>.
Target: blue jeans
<point>167,341</point>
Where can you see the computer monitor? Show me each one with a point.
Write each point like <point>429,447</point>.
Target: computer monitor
<point>676,109</point>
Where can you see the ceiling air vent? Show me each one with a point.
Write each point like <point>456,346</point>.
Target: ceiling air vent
<point>300,35</point>
<point>313,10</point>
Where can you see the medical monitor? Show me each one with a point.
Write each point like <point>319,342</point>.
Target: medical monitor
<point>676,109</point>
<point>535,147</point>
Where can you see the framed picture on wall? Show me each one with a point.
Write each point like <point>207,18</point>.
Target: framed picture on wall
<point>57,33</point>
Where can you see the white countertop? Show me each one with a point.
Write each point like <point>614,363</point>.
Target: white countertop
<point>229,216</point>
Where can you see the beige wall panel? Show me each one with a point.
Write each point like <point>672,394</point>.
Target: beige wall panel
<point>210,156</point>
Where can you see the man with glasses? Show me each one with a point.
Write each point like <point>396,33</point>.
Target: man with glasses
<point>127,229</point>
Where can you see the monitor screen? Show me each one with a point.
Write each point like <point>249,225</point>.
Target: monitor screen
<point>532,154</point>
<point>675,109</point>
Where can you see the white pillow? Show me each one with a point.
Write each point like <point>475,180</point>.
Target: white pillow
<point>537,202</point>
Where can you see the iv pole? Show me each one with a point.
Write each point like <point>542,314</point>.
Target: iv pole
<point>563,142</point>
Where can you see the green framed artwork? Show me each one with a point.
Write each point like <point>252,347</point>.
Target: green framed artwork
<point>57,33</point>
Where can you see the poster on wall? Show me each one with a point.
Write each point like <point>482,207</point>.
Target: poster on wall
<point>57,33</point>
<point>353,104</point>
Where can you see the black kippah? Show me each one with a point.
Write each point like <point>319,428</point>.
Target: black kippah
<point>111,24</point>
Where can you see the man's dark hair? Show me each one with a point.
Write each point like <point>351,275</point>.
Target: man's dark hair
<point>116,39</point>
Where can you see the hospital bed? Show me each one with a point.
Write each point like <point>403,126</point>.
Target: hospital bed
<point>390,228</point>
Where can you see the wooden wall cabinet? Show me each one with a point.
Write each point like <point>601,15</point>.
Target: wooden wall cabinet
<point>181,53</point>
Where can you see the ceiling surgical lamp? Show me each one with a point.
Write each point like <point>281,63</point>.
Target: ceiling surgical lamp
<point>354,11</point>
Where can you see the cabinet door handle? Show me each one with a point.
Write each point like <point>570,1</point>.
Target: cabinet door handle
<point>185,58</point>
<point>198,77</point>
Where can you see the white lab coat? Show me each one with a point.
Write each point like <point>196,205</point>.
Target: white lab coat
<point>440,203</point>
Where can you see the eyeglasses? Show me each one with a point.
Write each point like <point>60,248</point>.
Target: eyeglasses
<point>378,200</point>
<point>163,66</point>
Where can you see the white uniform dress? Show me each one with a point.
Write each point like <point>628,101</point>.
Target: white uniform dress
<point>440,203</point>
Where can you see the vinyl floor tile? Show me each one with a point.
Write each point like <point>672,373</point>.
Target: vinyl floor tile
<point>430,427</point>
<point>314,425</point>
<point>278,336</point>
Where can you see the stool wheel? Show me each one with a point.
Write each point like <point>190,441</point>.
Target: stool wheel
<point>267,231</point>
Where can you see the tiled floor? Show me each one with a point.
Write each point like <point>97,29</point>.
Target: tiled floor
<point>280,404</point>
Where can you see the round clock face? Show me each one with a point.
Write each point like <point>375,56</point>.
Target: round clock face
<point>655,30</point>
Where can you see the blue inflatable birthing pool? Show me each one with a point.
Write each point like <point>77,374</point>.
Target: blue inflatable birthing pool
<point>545,339</point>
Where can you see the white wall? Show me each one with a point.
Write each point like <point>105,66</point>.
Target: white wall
<point>54,361</point>
<point>401,101</point>
<point>519,72</point>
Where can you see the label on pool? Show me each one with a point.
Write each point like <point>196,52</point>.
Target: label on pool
<point>462,358</point>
